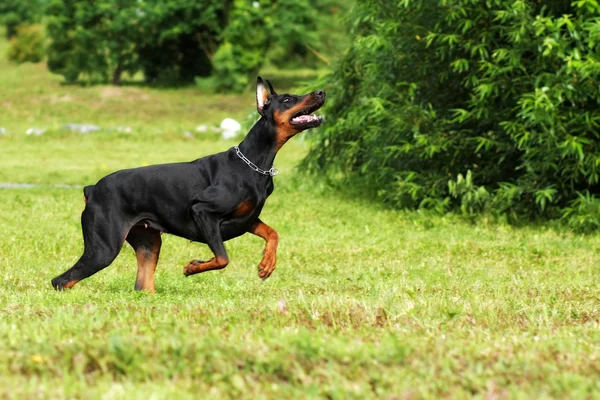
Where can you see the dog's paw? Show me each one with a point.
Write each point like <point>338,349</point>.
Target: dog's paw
<point>267,265</point>
<point>190,268</point>
<point>60,283</point>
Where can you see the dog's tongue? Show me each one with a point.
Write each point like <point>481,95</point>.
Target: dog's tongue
<point>302,119</point>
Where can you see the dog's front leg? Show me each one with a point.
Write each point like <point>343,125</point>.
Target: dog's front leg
<point>267,264</point>
<point>209,227</point>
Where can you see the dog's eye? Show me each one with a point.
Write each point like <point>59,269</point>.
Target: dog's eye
<point>287,99</point>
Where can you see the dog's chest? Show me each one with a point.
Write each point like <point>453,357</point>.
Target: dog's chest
<point>245,214</point>
<point>252,200</point>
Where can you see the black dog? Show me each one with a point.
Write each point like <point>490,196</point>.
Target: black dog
<point>209,200</point>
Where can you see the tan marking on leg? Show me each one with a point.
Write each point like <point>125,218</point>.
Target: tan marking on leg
<point>147,244</point>
<point>196,266</point>
<point>269,260</point>
<point>147,261</point>
<point>70,284</point>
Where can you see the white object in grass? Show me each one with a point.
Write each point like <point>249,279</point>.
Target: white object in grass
<point>230,128</point>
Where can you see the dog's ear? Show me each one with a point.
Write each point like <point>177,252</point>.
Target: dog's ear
<point>273,92</point>
<point>262,95</point>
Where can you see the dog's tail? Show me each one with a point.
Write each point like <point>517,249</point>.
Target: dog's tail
<point>87,192</point>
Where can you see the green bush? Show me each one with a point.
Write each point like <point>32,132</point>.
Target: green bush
<point>95,39</point>
<point>286,34</point>
<point>178,41</point>
<point>167,40</point>
<point>502,91</point>
<point>242,53</point>
<point>180,38</point>
<point>27,45</point>
<point>20,12</point>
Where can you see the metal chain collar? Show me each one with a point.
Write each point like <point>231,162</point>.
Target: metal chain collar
<point>272,172</point>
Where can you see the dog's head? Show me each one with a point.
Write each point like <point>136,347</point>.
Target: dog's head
<point>289,113</point>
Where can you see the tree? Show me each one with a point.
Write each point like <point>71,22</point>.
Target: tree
<point>112,37</point>
<point>484,106</point>
<point>93,38</point>
<point>27,45</point>
<point>18,12</point>
<point>179,40</point>
<point>283,32</point>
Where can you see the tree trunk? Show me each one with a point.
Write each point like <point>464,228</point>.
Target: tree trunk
<point>116,79</point>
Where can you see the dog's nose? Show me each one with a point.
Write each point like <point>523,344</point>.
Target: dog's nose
<point>320,93</point>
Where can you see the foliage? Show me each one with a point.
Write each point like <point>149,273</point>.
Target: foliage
<point>473,199</point>
<point>583,213</point>
<point>431,90</point>
<point>284,33</point>
<point>180,40</point>
<point>172,39</point>
<point>246,40</point>
<point>93,38</point>
<point>20,12</point>
<point>27,45</point>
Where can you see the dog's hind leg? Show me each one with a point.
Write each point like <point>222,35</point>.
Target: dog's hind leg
<point>146,242</point>
<point>103,238</point>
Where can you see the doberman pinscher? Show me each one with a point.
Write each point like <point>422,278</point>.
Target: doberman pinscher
<point>209,200</point>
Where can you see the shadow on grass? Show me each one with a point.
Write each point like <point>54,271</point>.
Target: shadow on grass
<point>352,188</point>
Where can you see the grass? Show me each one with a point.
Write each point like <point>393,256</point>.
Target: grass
<point>33,98</point>
<point>365,302</point>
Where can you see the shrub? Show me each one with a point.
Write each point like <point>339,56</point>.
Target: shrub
<point>92,38</point>
<point>503,91</point>
<point>172,40</point>
<point>20,12</point>
<point>284,33</point>
<point>242,54</point>
<point>27,45</point>
<point>180,40</point>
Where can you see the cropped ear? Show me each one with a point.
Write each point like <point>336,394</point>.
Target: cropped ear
<point>261,95</point>
<point>273,92</point>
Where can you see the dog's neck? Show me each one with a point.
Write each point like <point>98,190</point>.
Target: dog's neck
<point>259,146</point>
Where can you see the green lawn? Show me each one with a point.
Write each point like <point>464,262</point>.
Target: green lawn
<point>365,302</point>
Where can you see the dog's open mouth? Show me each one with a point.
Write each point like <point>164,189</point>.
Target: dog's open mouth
<point>306,118</point>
